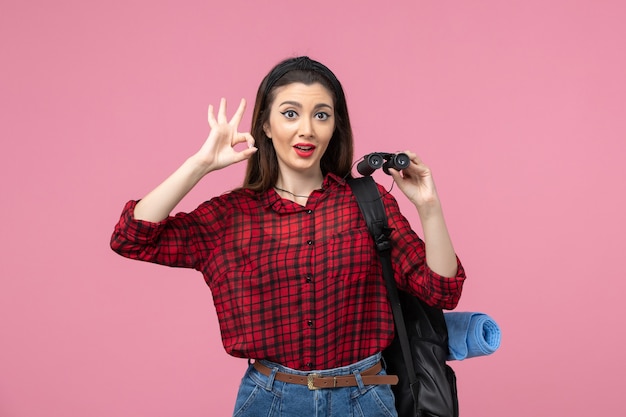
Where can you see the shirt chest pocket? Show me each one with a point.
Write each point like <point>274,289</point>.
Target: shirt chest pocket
<point>351,254</point>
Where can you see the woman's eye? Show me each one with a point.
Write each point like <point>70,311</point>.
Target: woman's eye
<point>322,116</point>
<point>290,114</point>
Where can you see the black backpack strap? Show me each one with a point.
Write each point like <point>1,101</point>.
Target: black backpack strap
<point>371,205</point>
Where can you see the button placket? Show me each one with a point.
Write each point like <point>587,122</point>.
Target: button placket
<point>308,318</point>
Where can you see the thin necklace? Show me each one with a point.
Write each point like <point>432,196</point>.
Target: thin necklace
<point>289,192</point>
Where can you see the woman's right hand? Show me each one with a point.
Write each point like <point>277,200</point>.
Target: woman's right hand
<point>217,152</point>
<point>219,149</point>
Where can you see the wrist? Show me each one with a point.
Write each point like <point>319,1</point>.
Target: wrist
<point>429,208</point>
<point>197,167</point>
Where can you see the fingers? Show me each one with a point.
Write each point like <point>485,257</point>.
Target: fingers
<point>249,139</point>
<point>221,114</point>
<point>416,172</point>
<point>397,176</point>
<point>244,137</point>
<point>239,113</point>
<point>416,162</point>
<point>211,117</point>
<point>245,154</point>
<point>413,157</point>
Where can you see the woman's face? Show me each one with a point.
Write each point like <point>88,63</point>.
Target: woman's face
<point>300,124</point>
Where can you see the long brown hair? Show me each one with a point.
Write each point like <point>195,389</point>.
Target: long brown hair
<point>262,170</point>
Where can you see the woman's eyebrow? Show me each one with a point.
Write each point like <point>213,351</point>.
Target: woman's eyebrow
<point>296,104</point>
<point>291,103</point>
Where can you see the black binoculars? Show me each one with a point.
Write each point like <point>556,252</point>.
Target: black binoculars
<point>371,162</point>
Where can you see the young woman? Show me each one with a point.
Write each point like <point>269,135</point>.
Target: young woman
<point>294,275</point>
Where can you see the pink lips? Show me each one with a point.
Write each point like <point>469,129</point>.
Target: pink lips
<point>304,150</point>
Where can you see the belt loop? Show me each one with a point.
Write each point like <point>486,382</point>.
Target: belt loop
<point>270,379</point>
<point>359,381</point>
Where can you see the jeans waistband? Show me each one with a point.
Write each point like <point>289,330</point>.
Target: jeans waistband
<point>343,370</point>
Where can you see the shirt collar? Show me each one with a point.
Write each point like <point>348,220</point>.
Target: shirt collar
<point>270,198</point>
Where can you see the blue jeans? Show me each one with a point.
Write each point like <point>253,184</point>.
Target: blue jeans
<point>263,396</point>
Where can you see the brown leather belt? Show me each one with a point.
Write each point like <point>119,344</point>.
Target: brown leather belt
<point>315,381</point>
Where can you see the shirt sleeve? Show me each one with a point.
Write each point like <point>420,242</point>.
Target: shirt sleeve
<point>411,271</point>
<point>171,242</point>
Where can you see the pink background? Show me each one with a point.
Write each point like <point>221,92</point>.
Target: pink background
<point>518,106</point>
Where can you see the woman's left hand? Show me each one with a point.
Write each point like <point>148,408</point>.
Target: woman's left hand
<point>416,182</point>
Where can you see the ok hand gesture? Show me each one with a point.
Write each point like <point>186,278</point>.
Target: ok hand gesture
<point>219,149</point>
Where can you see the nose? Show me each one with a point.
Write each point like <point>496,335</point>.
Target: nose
<point>305,128</point>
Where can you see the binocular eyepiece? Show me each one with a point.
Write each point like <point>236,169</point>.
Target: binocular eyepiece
<point>371,162</point>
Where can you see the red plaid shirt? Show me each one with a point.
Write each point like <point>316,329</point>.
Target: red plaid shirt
<point>301,286</point>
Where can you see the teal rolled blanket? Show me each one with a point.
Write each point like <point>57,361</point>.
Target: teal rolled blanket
<point>471,335</point>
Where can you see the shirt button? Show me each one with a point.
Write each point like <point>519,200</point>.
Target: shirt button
<point>309,242</point>
<point>309,323</point>
<point>309,365</point>
<point>309,211</point>
<point>309,278</point>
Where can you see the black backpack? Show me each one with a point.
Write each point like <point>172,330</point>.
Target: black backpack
<point>427,385</point>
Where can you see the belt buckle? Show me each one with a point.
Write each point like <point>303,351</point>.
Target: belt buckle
<point>311,386</point>
<point>309,381</point>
